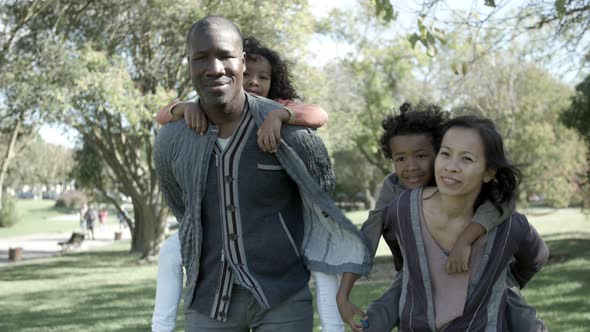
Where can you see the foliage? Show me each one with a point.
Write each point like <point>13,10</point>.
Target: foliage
<point>577,115</point>
<point>8,214</point>
<point>108,66</point>
<point>72,200</point>
<point>42,163</point>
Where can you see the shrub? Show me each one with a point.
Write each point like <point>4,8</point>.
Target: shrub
<point>8,215</point>
<point>71,200</point>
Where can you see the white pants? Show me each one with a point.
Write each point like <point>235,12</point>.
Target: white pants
<point>169,289</point>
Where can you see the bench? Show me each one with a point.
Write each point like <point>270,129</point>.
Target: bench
<point>74,242</point>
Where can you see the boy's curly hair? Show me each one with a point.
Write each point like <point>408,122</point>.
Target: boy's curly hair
<point>413,119</point>
<point>280,78</point>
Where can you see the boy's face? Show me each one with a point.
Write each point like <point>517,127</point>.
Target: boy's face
<point>413,159</point>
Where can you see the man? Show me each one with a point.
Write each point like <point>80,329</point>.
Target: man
<point>252,223</point>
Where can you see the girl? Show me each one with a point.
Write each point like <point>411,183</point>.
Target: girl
<point>268,76</point>
<point>470,169</point>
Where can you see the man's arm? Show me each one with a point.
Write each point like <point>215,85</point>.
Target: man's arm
<point>312,151</point>
<point>163,160</point>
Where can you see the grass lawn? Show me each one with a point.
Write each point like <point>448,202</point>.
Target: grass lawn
<point>108,290</point>
<point>39,216</point>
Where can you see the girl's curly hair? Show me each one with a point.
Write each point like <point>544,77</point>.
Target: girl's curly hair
<point>413,119</point>
<point>280,77</point>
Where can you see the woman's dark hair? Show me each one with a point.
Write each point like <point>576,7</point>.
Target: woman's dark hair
<point>413,119</point>
<point>501,190</point>
<point>280,77</point>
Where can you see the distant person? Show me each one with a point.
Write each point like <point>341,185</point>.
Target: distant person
<point>122,216</point>
<point>102,217</point>
<point>82,215</point>
<point>90,217</point>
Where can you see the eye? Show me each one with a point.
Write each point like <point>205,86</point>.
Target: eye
<point>264,77</point>
<point>467,159</point>
<point>400,159</point>
<point>422,156</point>
<point>443,153</point>
<point>246,74</point>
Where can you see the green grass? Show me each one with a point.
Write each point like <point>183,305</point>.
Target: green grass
<point>108,290</point>
<point>35,217</point>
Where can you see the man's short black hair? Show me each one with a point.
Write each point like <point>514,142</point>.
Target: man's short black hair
<point>207,21</point>
<point>413,119</point>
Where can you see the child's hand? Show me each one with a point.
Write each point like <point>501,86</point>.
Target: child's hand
<point>458,261</point>
<point>269,133</point>
<point>348,311</point>
<point>193,115</point>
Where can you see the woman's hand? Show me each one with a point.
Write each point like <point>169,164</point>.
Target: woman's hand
<point>193,115</point>
<point>269,133</point>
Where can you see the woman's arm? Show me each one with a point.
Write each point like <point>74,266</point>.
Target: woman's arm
<point>532,253</point>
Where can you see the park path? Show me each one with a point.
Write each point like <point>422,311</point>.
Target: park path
<point>45,245</point>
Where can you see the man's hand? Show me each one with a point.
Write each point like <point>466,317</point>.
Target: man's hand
<point>269,133</point>
<point>348,311</point>
<point>458,261</point>
<point>193,115</point>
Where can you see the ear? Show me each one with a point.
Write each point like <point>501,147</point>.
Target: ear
<point>489,174</point>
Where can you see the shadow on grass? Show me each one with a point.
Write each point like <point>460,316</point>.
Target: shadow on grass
<point>560,291</point>
<point>68,265</point>
<point>109,291</point>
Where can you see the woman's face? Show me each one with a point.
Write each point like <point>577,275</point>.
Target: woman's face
<point>257,76</point>
<point>460,166</point>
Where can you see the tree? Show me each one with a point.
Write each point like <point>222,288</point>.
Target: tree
<point>577,117</point>
<point>42,163</point>
<point>525,103</point>
<point>552,28</point>
<point>364,88</point>
<point>116,63</point>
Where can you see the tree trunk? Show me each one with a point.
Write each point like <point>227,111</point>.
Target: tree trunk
<point>148,232</point>
<point>369,199</point>
<point>9,152</point>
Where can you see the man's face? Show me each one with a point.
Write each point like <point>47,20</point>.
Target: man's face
<point>216,64</point>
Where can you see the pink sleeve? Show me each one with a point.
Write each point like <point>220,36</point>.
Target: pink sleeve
<point>309,115</point>
<point>163,117</point>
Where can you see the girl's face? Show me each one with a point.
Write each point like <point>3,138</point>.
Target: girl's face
<point>413,159</point>
<point>257,76</point>
<point>460,168</point>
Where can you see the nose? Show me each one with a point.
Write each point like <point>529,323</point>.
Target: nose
<point>412,164</point>
<point>451,165</point>
<point>215,68</point>
<point>252,81</point>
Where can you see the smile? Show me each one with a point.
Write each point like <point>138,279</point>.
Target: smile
<point>413,179</point>
<point>448,181</point>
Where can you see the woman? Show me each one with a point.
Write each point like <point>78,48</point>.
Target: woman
<point>266,75</point>
<point>470,169</point>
